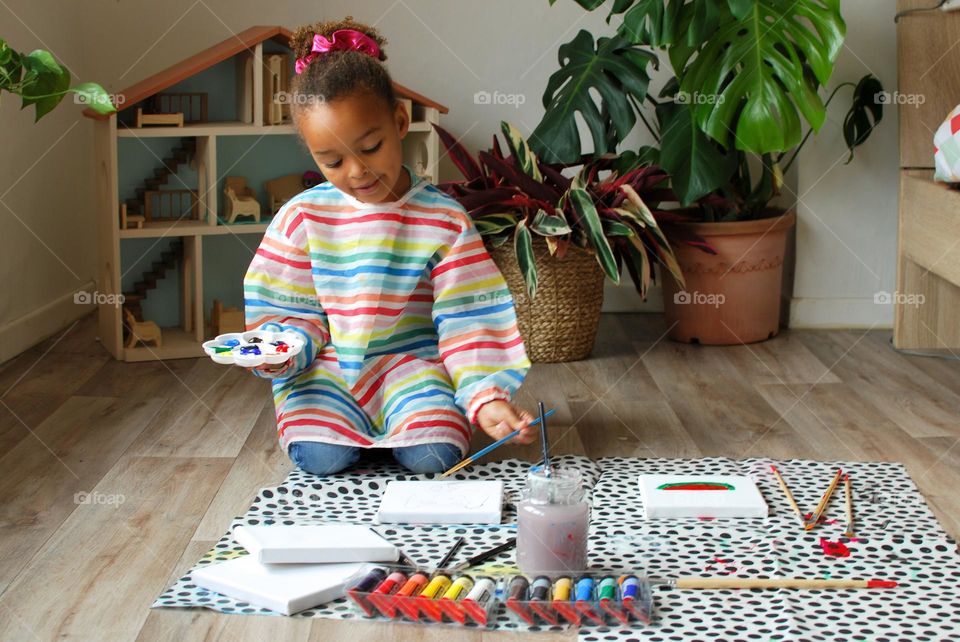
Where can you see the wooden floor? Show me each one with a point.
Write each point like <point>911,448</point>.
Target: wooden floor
<point>169,452</point>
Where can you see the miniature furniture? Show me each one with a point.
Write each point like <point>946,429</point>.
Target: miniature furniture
<point>238,91</point>
<point>224,320</point>
<point>172,204</point>
<point>192,104</point>
<point>158,119</point>
<point>240,200</point>
<point>927,301</point>
<point>143,331</point>
<point>283,189</point>
<point>130,220</point>
<point>276,77</point>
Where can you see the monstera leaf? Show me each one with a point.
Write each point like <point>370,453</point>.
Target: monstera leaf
<point>760,71</point>
<point>696,164</point>
<point>616,70</point>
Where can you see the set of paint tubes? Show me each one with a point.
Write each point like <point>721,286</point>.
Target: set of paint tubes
<point>401,593</point>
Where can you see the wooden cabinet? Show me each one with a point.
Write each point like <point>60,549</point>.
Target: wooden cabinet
<point>927,300</point>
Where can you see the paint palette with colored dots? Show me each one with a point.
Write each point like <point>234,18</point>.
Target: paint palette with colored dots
<point>254,348</point>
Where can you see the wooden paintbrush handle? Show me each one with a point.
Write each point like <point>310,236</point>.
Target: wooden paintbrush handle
<point>763,583</point>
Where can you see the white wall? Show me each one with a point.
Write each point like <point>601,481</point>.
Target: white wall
<point>847,223</point>
<point>46,187</point>
<point>447,51</point>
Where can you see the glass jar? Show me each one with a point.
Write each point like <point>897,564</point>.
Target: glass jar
<point>553,518</point>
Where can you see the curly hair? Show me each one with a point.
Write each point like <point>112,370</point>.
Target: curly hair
<point>339,73</point>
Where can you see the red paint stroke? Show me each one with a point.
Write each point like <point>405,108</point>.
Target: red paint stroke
<point>703,485</point>
<point>834,549</point>
<point>881,584</point>
<point>821,520</point>
<point>727,571</point>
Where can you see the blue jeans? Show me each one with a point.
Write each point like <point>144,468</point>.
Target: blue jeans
<point>326,459</point>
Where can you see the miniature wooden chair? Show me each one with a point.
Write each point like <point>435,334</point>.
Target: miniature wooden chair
<point>224,320</point>
<point>240,200</point>
<point>283,189</point>
<point>128,220</point>
<point>141,330</point>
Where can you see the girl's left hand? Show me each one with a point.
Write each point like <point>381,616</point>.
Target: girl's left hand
<point>499,418</point>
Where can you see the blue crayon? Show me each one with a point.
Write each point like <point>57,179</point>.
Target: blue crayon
<point>629,587</point>
<point>584,592</point>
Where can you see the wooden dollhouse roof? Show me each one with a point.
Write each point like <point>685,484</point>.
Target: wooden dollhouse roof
<point>218,53</point>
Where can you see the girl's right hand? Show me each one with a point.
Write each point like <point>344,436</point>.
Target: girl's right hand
<point>274,368</point>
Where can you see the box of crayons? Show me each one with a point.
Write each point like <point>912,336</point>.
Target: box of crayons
<point>402,593</point>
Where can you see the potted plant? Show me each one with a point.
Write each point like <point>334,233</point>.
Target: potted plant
<point>555,237</point>
<point>41,81</point>
<point>728,124</point>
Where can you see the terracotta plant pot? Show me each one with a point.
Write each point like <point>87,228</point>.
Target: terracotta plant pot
<point>732,297</point>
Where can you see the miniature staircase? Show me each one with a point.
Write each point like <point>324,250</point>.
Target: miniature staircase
<point>169,259</point>
<point>179,155</point>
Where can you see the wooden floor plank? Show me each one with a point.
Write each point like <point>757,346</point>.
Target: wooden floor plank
<point>259,463</point>
<point>68,453</point>
<point>209,414</point>
<point>917,403</point>
<point>95,578</point>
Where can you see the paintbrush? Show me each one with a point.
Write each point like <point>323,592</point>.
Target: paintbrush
<point>846,481</point>
<point>823,502</point>
<point>449,556</point>
<point>786,491</point>
<point>469,460</point>
<point>486,555</point>
<point>543,440</point>
<point>770,583</point>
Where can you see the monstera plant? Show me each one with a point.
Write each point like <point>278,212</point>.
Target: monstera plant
<point>743,99</point>
<point>746,81</point>
<point>41,81</point>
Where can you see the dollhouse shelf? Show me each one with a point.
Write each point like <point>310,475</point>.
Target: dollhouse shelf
<point>195,145</point>
<point>230,128</point>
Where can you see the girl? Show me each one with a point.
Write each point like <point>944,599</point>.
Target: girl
<point>410,331</point>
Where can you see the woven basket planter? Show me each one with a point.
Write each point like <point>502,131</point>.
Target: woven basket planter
<point>560,323</point>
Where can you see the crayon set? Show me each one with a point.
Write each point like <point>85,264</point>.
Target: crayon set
<point>588,599</point>
<point>405,593</point>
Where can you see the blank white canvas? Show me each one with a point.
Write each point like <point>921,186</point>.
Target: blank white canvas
<point>442,502</point>
<point>285,588</point>
<point>314,543</point>
<point>744,501</point>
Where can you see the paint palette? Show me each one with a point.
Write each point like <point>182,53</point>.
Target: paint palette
<point>254,348</point>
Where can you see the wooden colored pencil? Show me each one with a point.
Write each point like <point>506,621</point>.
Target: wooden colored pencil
<point>774,583</point>
<point>469,460</point>
<point>823,501</point>
<point>786,491</point>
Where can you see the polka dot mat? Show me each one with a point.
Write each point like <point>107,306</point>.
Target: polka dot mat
<point>897,537</point>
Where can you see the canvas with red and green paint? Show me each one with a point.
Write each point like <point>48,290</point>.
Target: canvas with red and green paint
<point>701,496</point>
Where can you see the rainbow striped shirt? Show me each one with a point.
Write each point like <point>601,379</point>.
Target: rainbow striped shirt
<point>409,325</point>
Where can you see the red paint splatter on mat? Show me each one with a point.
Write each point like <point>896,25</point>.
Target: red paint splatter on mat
<point>834,549</point>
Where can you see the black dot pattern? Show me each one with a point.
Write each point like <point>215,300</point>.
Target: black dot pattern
<point>897,538</point>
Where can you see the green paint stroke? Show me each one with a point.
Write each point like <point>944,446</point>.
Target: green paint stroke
<point>696,485</point>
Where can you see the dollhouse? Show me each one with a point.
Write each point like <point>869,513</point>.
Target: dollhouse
<point>190,170</point>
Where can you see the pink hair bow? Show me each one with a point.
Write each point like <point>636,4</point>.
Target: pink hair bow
<point>340,39</point>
